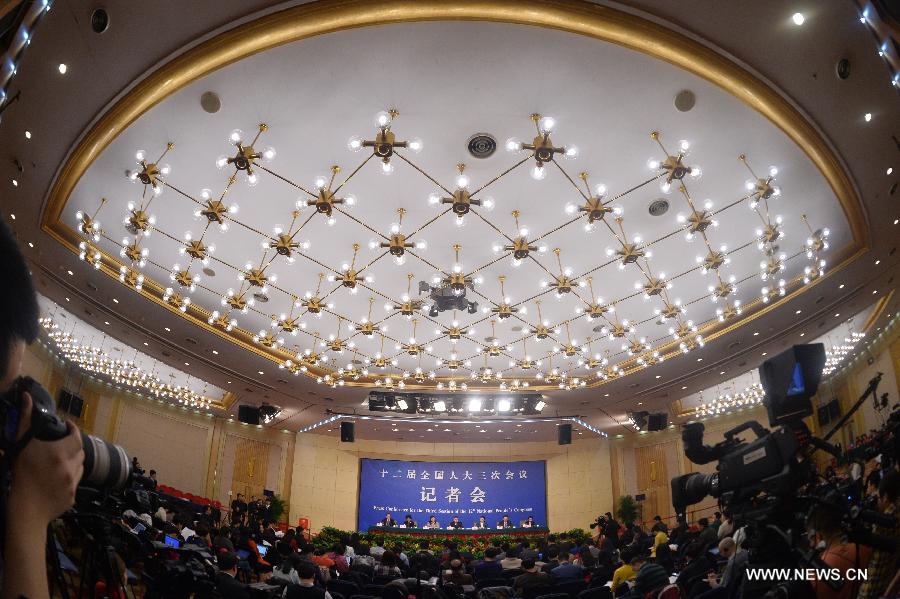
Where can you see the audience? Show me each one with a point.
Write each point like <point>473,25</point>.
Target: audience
<point>627,571</point>
<point>306,588</point>
<point>457,575</point>
<point>488,567</point>
<point>226,583</point>
<point>569,570</point>
<point>530,577</point>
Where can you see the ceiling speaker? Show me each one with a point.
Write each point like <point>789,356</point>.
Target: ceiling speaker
<point>348,432</point>
<point>564,434</point>
<point>248,414</point>
<point>657,421</point>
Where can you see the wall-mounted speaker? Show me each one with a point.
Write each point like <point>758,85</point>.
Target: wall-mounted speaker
<point>657,421</point>
<point>248,414</point>
<point>564,434</point>
<point>348,432</point>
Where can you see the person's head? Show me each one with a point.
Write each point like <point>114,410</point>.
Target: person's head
<point>455,519</point>
<point>657,518</point>
<point>718,515</point>
<point>703,522</point>
<point>727,547</point>
<point>490,554</point>
<point>529,519</point>
<point>389,559</point>
<point>481,519</point>
<point>637,561</point>
<point>387,516</point>
<point>408,517</point>
<point>423,545</point>
<point>307,571</point>
<point>153,474</point>
<point>506,517</point>
<point>650,578</point>
<point>573,554</point>
<point>283,548</point>
<point>432,520</point>
<point>19,309</point>
<point>337,549</point>
<point>889,489</point>
<point>456,565</point>
<point>228,562</point>
<point>240,496</point>
<point>552,552</point>
<point>397,548</point>
<point>202,530</point>
<point>528,565</point>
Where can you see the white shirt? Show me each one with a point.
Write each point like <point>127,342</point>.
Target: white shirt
<point>187,533</point>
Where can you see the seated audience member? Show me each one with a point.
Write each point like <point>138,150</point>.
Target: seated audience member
<point>568,570</point>
<point>287,569</point>
<point>717,521</point>
<point>408,521</point>
<point>698,565</point>
<point>226,583</point>
<point>256,560</point>
<point>726,529</point>
<point>221,540</point>
<point>182,522</point>
<point>649,580</point>
<point>585,557</point>
<point>530,577</point>
<point>733,574</point>
<point>660,537</point>
<point>388,520</point>
<point>511,559</point>
<point>481,524</point>
<point>529,522</point>
<point>488,567</point>
<point>161,514</point>
<point>455,523</point>
<point>627,571</point>
<point>551,558</point>
<point>362,556</point>
<point>432,523</point>
<point>527,552</point>
<point>401,556</point>
<point>306,588</point>
<point>505,522</point>
<point>200,537</point>
<point>337,556</point>
<point>882,565</point>
<point>678,536</point>
<point>708,535</point>
<point>664,558</point>
<point>658,522</point>
<point>321,559</point>
<point>456,574</point>
<point>377,549</point>
<point>425,560</point>
<point>388,565</point>
<point>824,525</point>
<point>269,534</point>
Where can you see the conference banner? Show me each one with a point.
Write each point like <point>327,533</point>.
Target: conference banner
<point>468,490</point>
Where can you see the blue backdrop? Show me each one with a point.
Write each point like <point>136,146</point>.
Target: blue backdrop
<point>447,489</point>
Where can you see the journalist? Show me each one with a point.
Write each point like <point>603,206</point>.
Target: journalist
<point>44,474</point>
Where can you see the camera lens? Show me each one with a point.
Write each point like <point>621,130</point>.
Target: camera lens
<point>106,466</point>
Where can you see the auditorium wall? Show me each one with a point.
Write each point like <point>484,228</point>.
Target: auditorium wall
<point>326,475</point>
<point>193,452</point>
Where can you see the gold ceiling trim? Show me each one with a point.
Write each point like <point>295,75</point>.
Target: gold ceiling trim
<point>328,16</point>
<point>880,307</point>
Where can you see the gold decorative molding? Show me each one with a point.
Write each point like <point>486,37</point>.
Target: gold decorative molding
<point>327,16</point>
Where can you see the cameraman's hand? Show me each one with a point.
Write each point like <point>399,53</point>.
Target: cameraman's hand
<point>44,478</point>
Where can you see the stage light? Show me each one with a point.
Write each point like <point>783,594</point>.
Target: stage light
<point>475,405</point>
<point>401,403</point>
<point>439,406</point>
<point>503,405</point>
<point>540,405</point>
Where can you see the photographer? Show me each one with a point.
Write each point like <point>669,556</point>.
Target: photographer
<point>825,523</point>
<point>43,474</point>
<point>883,565</point>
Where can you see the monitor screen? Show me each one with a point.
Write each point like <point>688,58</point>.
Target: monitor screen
<point>262,550</point>
<point>172,542</point>
<point>797,386</point>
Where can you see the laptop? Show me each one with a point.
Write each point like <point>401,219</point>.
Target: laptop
<point>262,550</point>
<point>172,542</point>
<point>242,554</point>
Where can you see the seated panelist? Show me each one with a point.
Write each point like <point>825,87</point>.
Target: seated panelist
<point>432,523</point>
<point>388,520</point>
<point>505,522</point>
<point>455,523</point>
<point>480,525</point>
<point>408,522</point>
<point>529,522</point>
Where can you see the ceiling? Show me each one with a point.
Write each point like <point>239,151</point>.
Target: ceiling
<point>449,81</point>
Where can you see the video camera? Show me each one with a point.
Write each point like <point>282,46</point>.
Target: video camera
<point>769,484</point>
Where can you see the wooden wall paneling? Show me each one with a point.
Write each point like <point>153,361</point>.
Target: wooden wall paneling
<point>251,460</point>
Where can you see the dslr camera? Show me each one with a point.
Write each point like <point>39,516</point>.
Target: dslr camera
<point>106,466</point>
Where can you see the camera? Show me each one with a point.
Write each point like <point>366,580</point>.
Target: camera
<point>106,466</point>
<point>769,484</point>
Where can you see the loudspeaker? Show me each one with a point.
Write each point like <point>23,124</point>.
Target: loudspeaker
<point>564,434</point>
<point>248,414</point>
<point>348,432</point>
<point>834,409</point>
<point>76,406</point>
<point>657,421</point>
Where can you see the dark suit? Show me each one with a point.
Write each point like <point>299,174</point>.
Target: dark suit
<point>230,588</point>
<point>298,591</point>
<point>455,525</point>
<point>506,524</point>
<point>388,522</point>
<point>410,524</point>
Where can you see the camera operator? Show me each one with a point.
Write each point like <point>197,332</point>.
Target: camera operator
<point>44,474</point>
<point>825,532</point>
<point>883,565</point>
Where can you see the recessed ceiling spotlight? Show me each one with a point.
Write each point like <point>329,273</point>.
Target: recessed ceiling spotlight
<point>659,376</point>
<point>146,344</point>
<point>868,116</point>
<point>31,245</point>
<point>798,311</point>
<point>877,262</point>
<point>168,330</point>
<point>15,183</point>
<point>210,102</point>
<point>837,314</point>
<point>841,286</point>
<point>723,372</point>
<point>13,216</point>
<point>802,334</point>
<point>70,273</point>
<point>699,359</point>
<point>683,388</point>
<point>228,382</point>
<point>685,100</point>
<point>874,291</point>
<point>764,353</point>
<point>67,299</point>
<point>215,352</point>
<point>890,170</point>
<point>798,18</point>
<point>260,371</point>
<point>28,135</point>
<point>186,364</point>
<point>640,403</point>
<point>756,333</point>
<point>106,322</point>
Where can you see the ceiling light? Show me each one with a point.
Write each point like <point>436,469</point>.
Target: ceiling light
<point>868,116</point>
<point>28,135</point>
<point>62,68</point>
<point>106,322</point>
<point>31,245</point>
<point>764,353</point>
<point>475,405</point>
<point>186,364</point>
<point>755,334</point>
<point>168,330</point>
<point>67,299</point>
<point>540,405</point>
<point>841,286</point>
<point>802,334</point>
<point>890,170</point>
<point>260,372</point>
<point>146,344</point>
<point>896,220</point>
<point>503,405</point>
<point>13,216</point>
<point>228,382</point>
<point>798,311</point>
<point>15,183</point>
<point>658,376</point>
<point>699,359</point>
<point>874,291</point>
<point>798,18</point>
<point>877,262</point>
<point>115,301</point>
<point>70,273</point>
<point>683,388</point>
<point>439,406</point>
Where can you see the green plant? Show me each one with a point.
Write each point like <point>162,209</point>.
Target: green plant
<point>627,509</point>
<point>276,507</point>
